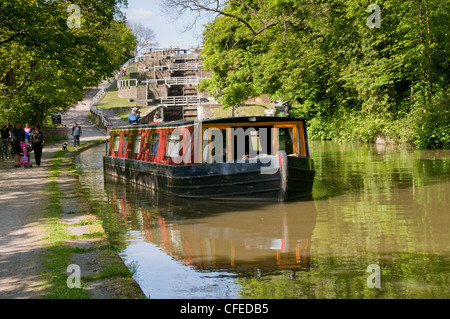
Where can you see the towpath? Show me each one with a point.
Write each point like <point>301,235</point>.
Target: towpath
<point>78,114</point>
<point>22,204</point>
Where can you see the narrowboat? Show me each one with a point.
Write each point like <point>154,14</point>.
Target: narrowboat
<point>240,158</point>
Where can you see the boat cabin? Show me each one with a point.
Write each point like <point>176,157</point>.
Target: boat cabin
<point>209,141</point>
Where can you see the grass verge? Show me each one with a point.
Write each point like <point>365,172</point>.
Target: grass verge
<point>116,276</point>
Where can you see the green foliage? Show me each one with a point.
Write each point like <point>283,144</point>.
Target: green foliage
<point>320,129</point>
<point>45,65</point>
<point>432,128</point>
<point>351,82</point>
<point>347,127</point>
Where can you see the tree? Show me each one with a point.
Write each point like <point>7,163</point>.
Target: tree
<point>45,64</point>
<point>145,37</point>
<point>349,80</point>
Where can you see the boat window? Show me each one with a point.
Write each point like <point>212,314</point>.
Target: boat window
<point>215,144</point>
<point>301,143</point>
<point>124,143</point>
<point>173,145</point>
<point>250,142</point>
<point>255,141</point>
<point>137,143</point>
<point>154,144</point>
<point>116,143</point>
<point>285,137</point>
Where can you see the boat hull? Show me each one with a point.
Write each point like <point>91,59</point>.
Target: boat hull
<point>277,178</point>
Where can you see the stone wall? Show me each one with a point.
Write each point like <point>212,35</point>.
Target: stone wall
<point>128,92</point>
<point>55,133</point>
<point>134,92</point>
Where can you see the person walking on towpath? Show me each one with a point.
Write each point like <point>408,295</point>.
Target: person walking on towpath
<point>28,131</point>
<point>76,132</point>
<point>4,141</point>
<point>17,136</point>
<point>37,142</point>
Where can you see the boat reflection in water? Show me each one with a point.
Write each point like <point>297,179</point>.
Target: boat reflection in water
<point>240,238</point>
<point>369,208</point>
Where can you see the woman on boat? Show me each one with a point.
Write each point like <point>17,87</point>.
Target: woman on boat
<point>157,118</point>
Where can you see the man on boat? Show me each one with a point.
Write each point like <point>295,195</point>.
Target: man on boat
<point>134,116</point>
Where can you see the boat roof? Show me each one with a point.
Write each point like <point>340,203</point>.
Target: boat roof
<point>224,120</point>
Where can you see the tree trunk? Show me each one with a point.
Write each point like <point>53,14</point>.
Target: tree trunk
<point>429,74</point>
<point>10,78</point>
<point>422,66</point>
<point>412,89</point>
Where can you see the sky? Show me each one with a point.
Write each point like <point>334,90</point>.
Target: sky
<point>168,32</point>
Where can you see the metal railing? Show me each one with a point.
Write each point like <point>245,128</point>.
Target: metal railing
<point>173,81</point>
<point>184,66</point>
<point>182,81</point>
<point>176,67</point>
<point>99,112</point>
<point>179,101</point>
<point>126,83</point>
<point>175,56</point>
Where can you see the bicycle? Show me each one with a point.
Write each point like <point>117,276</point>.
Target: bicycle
<point>10,149</point>
<point>4,149</point>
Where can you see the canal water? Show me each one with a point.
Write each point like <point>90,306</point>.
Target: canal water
<point>378,227</point>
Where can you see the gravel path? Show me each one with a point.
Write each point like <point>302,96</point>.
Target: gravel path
<point>21,236</point>
<point>22,203</point>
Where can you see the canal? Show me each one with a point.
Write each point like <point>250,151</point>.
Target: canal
<point>375,208</point>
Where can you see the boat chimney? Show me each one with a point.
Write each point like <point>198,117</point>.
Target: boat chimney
<point>287,108</point>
